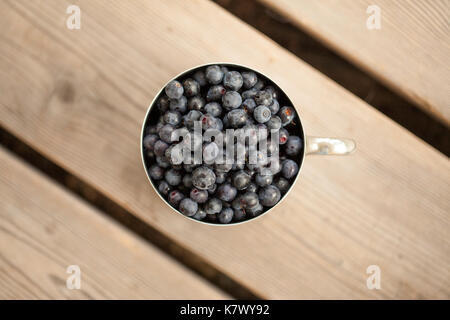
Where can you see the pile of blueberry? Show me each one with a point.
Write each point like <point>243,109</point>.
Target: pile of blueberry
<point>221,98</point>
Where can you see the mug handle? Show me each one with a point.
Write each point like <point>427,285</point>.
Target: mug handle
<point>329,146</point>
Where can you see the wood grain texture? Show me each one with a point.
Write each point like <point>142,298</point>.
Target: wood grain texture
<point>410,53</point>
<point>43,230</point>
<point>79,97</point>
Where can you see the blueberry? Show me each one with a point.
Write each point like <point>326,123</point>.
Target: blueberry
<point>156,172</point>
<point>286,115</point>
<point>213,206</point>
<point>213,108</point>
<point>290,168</point>
<point>196,103</point>
<point>199,76</point>
<point>179,105</point>
<point>274,123</point>
<point>200,196</point>
<point>237,118</point>
<point>241,180</point>
<point>237,203</point>
<point>272,91</point>
<point>174,156</point>
<point>160,148</point>
<point>249,79</point>
<point>269,196</point>
<point>224,69</point>
<point>188,207</point>
<point>249,200</point>
<point>252,187</point>
<point>163,103</point>
<point>264,178</point>
<point>283,135</point>
<point>226,192</point>
<point>249,105</point>
<point>174,90</point>
<point>293,146</point>
<point>263,133</point>
<point>214,74</point>
<point>162,162</point>
<point>210,122</point>
<point>249,94</point>
<point>255,211</point>
<point>226,215</point>
<point>191,87</point>
<point>200,215</point>
<point>220,177</point>
<point>190,118</point>
<point>164,187</point>
<point>282,184</point>
<point>233,80</point>
<point>239,214</point>
<point>223,167</point>
<point>259,85</point>
<point>189,167</point>
<point>203,178</point>
<point>165,133</point>
<point>174,198</point>
<point>149,141</point>
<point>262,114</point>
<point>274,106</point>
<point>210,152</point>
<point>173,177</point>
<point>231,100</point>
<point>211,218</point>
<point>212,189</point>
<point>263,98</point>
<point>172,117</point>
<point>215,93</point>
<point>187,180</point>
<point>272,147</point>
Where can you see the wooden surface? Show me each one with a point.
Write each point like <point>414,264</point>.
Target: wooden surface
<point>79,97</point>
<point>44,230</point>
<point>410,53</point>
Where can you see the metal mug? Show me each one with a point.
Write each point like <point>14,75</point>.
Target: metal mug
<point>311,145</point>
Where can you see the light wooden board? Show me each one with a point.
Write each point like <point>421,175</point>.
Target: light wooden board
<point>79,97</point>
<point>410,53</point>
<point>44,230</point>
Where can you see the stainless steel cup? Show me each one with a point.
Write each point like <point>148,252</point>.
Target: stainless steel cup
<point>312,145</point>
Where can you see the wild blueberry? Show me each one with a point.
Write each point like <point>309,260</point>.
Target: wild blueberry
<point>164,187</point>
<point>286,115</point>
<point>173,177</point>
<point>149,141</point>
<point>262,114</point>
<point>233,80</point>
<point>226,192</point>
<point>282,184</point>
<point>249,78</point>
<point>215,93</point>
<point>172,117</point>
<point>213,206</point>
<point>188,207</point>
<point>196,103</point>
<point>160,148</point>
<point>263,98</point>
<point>269,196</point>
<point>249,105</point>
<point>200,196</point>
<point>214,74</point>
<point>199,76</point>
<point>191,87</point>
<point>174,90</point>
<point>293,146</point>
<point>156,172</point>
<point>283,135</point>
<point>237,118</point>
<point>226,215</point>
<point>163,103</point>
<point>165,133</point>
<point>231,100</point>
<point>213,108</point>
<point>175,196</point>
<point>203,178</point>
<point>179,105</point>
<point>241,180</point>
<point>264,178</point>
<point>290,168</point>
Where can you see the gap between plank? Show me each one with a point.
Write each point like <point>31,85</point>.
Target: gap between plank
<point>342,71</point>
<point>86,192</point>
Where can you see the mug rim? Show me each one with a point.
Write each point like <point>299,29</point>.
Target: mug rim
<point>153,103</point>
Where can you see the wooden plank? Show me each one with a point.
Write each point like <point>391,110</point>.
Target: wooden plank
<point>44,230</point>
<point>410,53</point>
<point>86,93</point>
